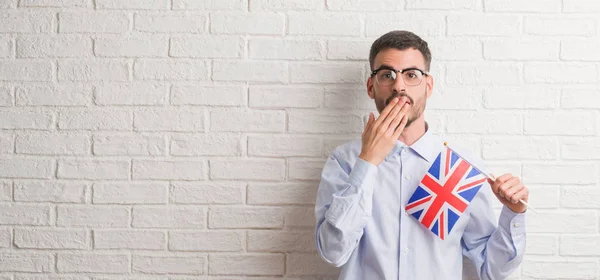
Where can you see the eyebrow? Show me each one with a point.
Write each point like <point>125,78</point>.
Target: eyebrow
<point>388,67</point>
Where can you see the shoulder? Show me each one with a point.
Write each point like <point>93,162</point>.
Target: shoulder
<point>347,153</point>
<point>348,149</point>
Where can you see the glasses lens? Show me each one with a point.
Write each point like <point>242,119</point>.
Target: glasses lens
<point>412,77</point>
<point>386,77</point>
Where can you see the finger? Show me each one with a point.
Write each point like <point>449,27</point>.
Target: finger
<point>397,119</point>
<point>504,177</point>
<point>513,181</point>
<point>395,122</point>
<point>401,127</point>
<point>385,112</point>
<point>521,194</point>
<point>502,188</point>
<point>390,117</point>
<point>505,188</point>
<point>498,183</point>
<point>511,191</point>
<point>384,119</point>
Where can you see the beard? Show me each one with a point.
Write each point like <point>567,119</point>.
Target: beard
<point>415,110</point>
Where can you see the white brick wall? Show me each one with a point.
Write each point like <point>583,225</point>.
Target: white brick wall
<point>184,139</point>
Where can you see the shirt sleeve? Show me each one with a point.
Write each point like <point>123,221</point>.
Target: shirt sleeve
<point>495,250</point>
<point>343,208</point>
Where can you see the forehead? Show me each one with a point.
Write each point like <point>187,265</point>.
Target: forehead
<point>399,59</point>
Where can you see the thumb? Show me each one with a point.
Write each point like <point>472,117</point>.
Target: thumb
<point>370,121</point>
<point>491,180</point>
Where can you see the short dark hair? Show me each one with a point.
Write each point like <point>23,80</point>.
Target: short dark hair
<point>401,40</point>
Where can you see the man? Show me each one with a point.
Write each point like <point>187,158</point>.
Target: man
<point>362,224</point>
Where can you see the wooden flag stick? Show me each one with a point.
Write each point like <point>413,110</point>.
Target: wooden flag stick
<point>489,177</point>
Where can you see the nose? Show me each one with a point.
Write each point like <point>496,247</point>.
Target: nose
<point>399,84</point>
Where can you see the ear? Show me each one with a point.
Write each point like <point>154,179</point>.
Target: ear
<point>429,85</point>
<point>370,86</point>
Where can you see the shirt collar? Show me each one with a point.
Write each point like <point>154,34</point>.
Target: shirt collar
<point>427,146</point>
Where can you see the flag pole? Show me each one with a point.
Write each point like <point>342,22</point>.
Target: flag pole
<point>488,176</point>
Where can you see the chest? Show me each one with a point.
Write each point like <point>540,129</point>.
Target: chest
<point>397,180</point>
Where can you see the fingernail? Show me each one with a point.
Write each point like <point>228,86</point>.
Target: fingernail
<point>395,99</point>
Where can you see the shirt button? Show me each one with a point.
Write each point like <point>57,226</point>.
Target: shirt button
<point>406,213</point>
<point>407,177</point>
<point>516,225</point>
<point>406,250</point>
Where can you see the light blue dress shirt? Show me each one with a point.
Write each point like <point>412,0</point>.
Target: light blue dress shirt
<point>362,225</point>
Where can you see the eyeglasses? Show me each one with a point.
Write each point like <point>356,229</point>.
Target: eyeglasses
<point>386,76</point>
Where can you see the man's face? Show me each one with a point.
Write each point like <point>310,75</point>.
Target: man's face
<point>415,95</point>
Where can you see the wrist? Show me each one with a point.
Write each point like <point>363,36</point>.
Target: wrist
<point>517,208</point>
<point>369,159</point>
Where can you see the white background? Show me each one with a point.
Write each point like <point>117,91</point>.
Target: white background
<point>183,139</point>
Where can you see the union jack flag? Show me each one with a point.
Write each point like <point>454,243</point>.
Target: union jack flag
<point>444,193</point>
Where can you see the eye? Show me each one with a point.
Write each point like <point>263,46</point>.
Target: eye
<point>386,75</point>
<point>412,74</point>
